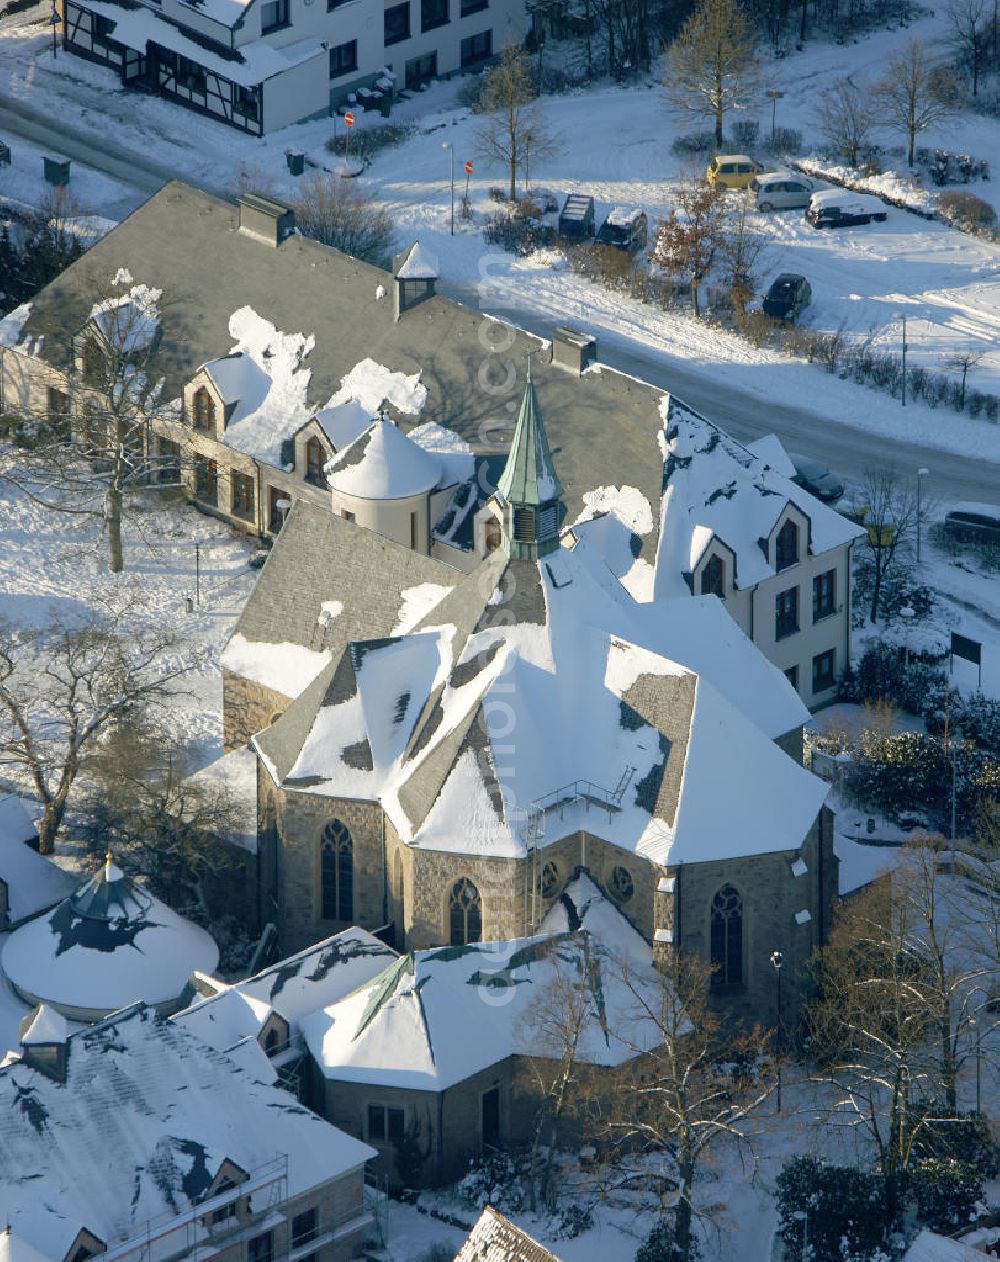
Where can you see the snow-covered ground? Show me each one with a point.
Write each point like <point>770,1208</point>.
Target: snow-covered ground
<point>616,145</point>
<point>53,567</point>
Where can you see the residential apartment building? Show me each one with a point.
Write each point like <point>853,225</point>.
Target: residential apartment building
<point>260,65</point>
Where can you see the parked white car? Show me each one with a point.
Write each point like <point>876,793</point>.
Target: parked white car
<point>839,208</point>
<point>781,190</point>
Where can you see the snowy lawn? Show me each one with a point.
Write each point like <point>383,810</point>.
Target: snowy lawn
<point>53,566</point>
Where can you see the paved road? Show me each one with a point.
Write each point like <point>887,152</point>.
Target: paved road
<point>78,142</point>
<point>802,429</point>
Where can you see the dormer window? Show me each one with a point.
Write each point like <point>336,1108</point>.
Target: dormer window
<point>203,406</point>
<point>315,460</point>
<point>786,546</point>
<point>713,577</point>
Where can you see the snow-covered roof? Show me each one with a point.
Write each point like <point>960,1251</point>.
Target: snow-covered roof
<point>262,379</point>
<point>623,216</point>
<point>109,944</point>
<point>227,12</point>
<point>496,1239</point>
<point>596,701</point>
<point>319,975</point>
<point>418,265</point>
<point>139,1130</point>
<point>716,488</point>
<point>33,882</point>
<point>455,455</point>
<point>343,422</point>
<point>772,452</point>
<point>434,1018</point>
<point>128,322</point>
<point>45,1026</point>
<point>384,464</point>
<point>584,905</point>
<point>249,64</point>
<point>929,1247</point>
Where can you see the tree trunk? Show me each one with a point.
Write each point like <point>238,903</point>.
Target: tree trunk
<point>116,556</point>
<point>949,1073</point>
<point>911,139</point>
<point>802,23</point>
<point>876,589</point>
<point>694,297</point>
<point>51,821</point>
<point>682,1214</point>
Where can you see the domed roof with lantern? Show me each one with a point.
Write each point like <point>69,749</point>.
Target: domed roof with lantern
<point>109,944</point>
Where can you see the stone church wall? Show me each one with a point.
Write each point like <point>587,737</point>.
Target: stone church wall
<point>247,708</point>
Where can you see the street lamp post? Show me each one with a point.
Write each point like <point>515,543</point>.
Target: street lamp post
<point>777,959</point>
<point>907,613</point>
<point>774,97</point>
<point>979,1065</point>
<point>446,144</point>
<point>54,23</point>
<point>901,315</point>
<point>921,474</point>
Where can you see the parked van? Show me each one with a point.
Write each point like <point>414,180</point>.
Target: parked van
<point>732,170</point>
<point>840,208</point>
<point>781,190</point>
<point>625,229</point>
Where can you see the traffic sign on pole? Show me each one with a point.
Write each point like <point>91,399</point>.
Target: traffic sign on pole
<point>348,119</point>
<point>468,168</point>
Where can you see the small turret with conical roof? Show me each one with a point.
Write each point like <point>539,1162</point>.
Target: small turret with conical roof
<point>529,489</point>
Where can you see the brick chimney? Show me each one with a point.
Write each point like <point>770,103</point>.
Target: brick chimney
<point>573,349</point>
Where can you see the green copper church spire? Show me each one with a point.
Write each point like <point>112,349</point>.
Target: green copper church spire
<point>529,487</point>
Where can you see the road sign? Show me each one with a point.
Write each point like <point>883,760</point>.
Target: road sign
<point>468,168</point>
<point>348,119</point>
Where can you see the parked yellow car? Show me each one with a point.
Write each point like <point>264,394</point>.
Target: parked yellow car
<point>732,170</point>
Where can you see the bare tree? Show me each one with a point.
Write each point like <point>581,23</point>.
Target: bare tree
<point>970,28</point>
<point>511,117</point>
<point>846,114</point>
<point>711,66</point>
<point>961,362</point>
<point>696,1092</point>
<point>901,985</point>
<point>336,212</point>
<point>554,1028</point>
<point>741,248</point>
<point>174,831</point>
<point>914,93</point>
<point>115,393</point>
<point>888,504</point>
<point>62,691</point>
<point>688,240</point>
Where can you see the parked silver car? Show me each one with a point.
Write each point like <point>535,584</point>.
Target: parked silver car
<point>781,190</point>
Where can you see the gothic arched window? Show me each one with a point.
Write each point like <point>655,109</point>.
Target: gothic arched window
<point>786,546</point>
<point>465,913</point>
<point>338,872</point>
<point>549,880</point>
<point>713,577</point>
<point>727,937</point>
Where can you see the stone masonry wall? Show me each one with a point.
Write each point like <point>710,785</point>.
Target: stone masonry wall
<point>247,708</point>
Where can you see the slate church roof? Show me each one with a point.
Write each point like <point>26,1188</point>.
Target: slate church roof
<point>601,730</point>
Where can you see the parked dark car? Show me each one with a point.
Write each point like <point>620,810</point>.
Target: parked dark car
<point>973,523</point>
<point>625,229</point>
<point>840,208</point>
<point>817,479</point>
<point>788,297</point>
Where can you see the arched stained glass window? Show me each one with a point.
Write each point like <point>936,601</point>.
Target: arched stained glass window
<point>727,937</point>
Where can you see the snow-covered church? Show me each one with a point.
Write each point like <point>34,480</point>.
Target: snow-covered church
<point>471,741</point>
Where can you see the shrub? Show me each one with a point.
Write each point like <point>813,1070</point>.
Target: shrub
<point>518,231</point>
<point>745,134</point>
<point>945,1193</point>
<point>494,1179</point>
<point>572,1221</point>
<point>966,1139</point>
<point>694,145</point>
<point>844,1209</point>
<point>966,210</point>
<point>470,93</point>
<point>660,1245</point>
<point>784,140</point>
<point>372,140</point>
